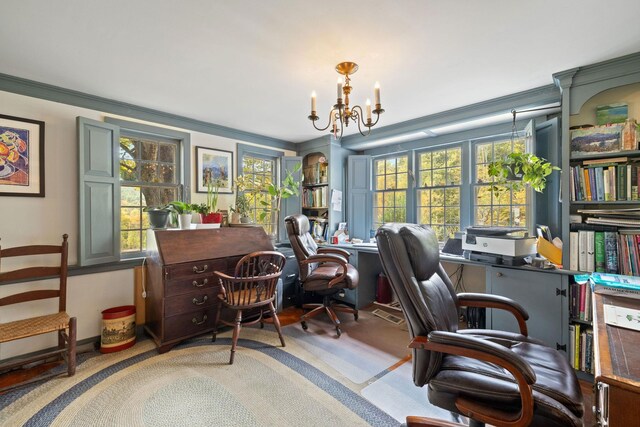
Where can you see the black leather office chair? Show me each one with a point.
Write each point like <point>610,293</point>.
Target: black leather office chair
<point>494,377</point>
<point>325,271</point>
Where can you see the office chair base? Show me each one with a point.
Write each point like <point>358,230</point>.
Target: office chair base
<point>328,306</point>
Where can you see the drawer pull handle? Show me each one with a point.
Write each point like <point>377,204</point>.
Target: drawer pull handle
<point>499,274</point>
<point>196,302</point>
<point>199,285</point>
<point>195,269</point>
<point>195,321</point>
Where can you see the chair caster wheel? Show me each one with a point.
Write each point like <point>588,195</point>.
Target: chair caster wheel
<point>338,331</point>
<point>355,316</point>
<point>304,325</point>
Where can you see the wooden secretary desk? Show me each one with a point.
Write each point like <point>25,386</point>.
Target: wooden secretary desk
<point>181,288</point>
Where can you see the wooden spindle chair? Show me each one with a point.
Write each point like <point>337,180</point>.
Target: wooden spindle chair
<point>59,322</point>
<point>253,287</point>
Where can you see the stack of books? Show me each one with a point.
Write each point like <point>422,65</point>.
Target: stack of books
<point>581,302</point>
<point>605,180</point>
<point>581,348</point>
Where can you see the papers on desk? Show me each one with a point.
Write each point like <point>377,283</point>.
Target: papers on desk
<point>623,317</point>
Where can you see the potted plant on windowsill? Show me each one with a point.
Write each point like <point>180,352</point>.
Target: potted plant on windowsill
<point>212,216</point>
<point>240,211</point>
<point>183,210</point>
<point>158,216</point>
<point>520,169</point>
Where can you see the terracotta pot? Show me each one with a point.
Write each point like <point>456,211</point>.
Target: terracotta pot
<point>212,218</point>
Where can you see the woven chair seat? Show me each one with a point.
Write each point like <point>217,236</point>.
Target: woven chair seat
<point>33,326</point>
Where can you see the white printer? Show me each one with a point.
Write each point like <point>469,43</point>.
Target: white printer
<point>498,245</point>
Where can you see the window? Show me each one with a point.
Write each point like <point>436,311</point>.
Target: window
<point>506,208</point>
<point>438,194</point>
<point>149,176</point>
<point>261,170</point>
<point>391,181</point>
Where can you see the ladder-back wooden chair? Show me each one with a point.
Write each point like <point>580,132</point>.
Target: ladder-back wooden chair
<point>59,322</point>
<point>252,288</point>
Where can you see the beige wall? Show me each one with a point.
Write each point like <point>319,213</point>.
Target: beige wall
<point>35,220</point>
<point>629,94</point>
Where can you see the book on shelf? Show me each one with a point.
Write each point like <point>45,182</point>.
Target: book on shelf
<point>615,284</point>
<point>606,181</point>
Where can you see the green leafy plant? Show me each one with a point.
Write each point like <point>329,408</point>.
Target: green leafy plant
<point>520,169</point>
<point>242,205</point>
<point>180,207</point>
<point>277,191</point>
<point>213,186</point>
<point>201,208</point>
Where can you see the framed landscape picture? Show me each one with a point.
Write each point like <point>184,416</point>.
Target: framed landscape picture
<point>214,165</point>
<point>21,157</point>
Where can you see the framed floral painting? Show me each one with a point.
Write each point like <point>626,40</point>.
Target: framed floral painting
<point>214,165</point>
<point>21,157</point>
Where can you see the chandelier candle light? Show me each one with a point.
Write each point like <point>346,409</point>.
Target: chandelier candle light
<point>341,112</point>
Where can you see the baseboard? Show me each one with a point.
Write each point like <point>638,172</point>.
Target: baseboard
<point>82,346</point>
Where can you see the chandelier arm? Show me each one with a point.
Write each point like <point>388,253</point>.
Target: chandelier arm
<point>324,128</point>
<point>357,117</point>
<point>376,122</point>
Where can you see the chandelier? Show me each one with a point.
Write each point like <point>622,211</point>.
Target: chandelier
<point>341,112</point>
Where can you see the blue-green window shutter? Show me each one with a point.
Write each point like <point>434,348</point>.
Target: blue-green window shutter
<point>292,205</point>
<point>99,192</point>
<point>359,197</point>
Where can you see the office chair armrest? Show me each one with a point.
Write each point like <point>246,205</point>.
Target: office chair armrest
<point>469,299</point>
<point>337,259</point>
<point>476,348</point>
<point>337,251</point>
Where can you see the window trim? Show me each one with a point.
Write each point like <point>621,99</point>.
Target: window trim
<point>128,128</point>
<point>410,204</point>
<point>464,204</point>
<point>265,154</point>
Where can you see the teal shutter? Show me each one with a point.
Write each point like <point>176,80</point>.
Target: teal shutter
<point>359,197</point>
<point>291,205</point>
<point>99,192</point>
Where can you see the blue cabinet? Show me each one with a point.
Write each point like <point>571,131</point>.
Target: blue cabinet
<point>542,294</point>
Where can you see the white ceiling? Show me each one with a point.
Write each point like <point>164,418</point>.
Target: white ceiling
<point>252,64</point>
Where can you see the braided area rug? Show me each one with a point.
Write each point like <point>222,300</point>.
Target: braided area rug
<point>193,385</point>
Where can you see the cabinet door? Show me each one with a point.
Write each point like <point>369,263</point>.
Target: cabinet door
<point>541,294</point>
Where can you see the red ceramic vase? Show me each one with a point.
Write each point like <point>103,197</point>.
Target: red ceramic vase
<point>212,218</point>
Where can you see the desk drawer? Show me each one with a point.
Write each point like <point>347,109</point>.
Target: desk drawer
<point>190,284</point>
<point>189,302</point>
<point>187,324</point>
<point>194,269</point>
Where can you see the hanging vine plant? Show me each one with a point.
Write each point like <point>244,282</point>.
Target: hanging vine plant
<point>519,170</point>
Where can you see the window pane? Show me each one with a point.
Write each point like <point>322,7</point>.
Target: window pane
<point>437,197</point>
<point>483,195</point>
<point>424,216</point>
<point>503,216</point>
<point>439,159</point>
<point>129,196</point>
<point>482,174</point>
<point>439,177</point>
<point>454,157</point>
<point>452,216</point>
<point>379,199</point>
<point>425,178</point>
<point>424,197</point>
<point>425,161</point>
<point>451,230</point>
<point>388,199</point>
<point>403,180</point>
<point>390,182</point>
<point>483,215</point>
<point>519,216</point>
<point>502,149</point>
<point>454,176</point>
<point>518,146</point>
<point>391,166</point>
<point>402,164</point>
<point>167,153</point>
<point>379,167</point>
<point>452,196</point>
<point>483,153</point>
<point>131,241</point>
<point>437,216</point>
<point>130,218</point>
<point>439,230</point>
<point>380,182</point>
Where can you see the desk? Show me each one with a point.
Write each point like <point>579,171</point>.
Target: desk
<point>617,366</point>
<point>543,293</point>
